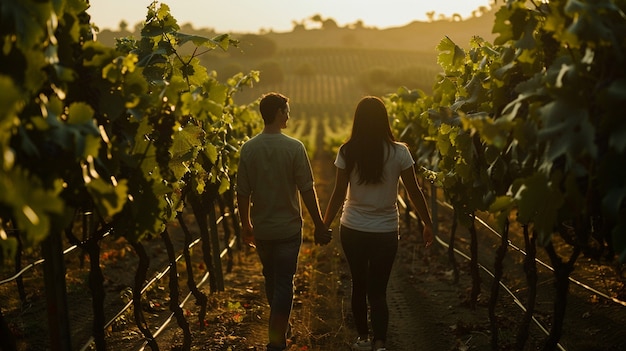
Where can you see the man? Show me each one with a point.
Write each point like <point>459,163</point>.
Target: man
<point>273,168</point>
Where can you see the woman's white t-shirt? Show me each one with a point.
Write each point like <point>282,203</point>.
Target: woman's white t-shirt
<point>374,207</point>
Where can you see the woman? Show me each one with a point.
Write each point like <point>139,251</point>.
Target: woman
<point>371,162</point>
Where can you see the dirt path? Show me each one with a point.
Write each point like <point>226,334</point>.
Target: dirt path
<point>414,317</point>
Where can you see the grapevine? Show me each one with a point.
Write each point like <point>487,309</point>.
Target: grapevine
<point>526,126</point>
<point>119,132</point>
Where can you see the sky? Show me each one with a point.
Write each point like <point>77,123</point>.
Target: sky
<point>252,16</point>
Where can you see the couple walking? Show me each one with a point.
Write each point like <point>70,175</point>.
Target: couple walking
<point>274,168</point>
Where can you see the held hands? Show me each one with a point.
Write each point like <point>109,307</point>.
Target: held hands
<point>323,235</point>
<point>247,236</point>
<point>427,235</point>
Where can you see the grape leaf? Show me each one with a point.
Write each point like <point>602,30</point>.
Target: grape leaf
<point>451,56</point>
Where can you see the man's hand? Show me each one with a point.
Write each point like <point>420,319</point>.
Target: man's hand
<point>247,235</point>
<point>428,236</point>
<point>323,235</point>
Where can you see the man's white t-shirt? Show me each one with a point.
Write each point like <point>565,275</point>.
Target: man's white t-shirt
<point>374,207</point>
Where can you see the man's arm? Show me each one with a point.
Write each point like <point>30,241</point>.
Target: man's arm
<point>247,234</point>
<point>309,197</point>
<point>322,234</point>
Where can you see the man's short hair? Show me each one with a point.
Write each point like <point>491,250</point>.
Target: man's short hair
<point>270,104</point>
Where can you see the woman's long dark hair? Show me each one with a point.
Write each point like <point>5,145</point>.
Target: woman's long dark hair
<point>371,134</point>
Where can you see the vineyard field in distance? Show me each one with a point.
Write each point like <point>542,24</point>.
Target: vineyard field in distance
<point>330,81</point>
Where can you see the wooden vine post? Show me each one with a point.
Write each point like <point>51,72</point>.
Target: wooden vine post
<point>56,293</point>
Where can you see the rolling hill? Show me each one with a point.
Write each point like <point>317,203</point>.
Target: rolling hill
<point>326,70</point>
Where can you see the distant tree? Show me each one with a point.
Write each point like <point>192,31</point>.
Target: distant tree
<point>456,17</point>
<point>298,26</point>
<point>358,24</point>
<point>329,23</point>
<point>430,15</point>
<point>317,19</point>
<point>123,26</point>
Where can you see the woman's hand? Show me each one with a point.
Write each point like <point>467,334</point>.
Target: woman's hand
<point>323,235</point>
<point>428,236</point>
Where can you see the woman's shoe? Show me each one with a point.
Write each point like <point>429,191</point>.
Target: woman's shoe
<point>379,346</point>
<point>362,345</point>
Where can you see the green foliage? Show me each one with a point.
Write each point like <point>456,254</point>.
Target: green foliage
<point>532,122</point>
<point>119,131</point>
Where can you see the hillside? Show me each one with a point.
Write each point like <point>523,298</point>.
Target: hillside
<point>325,71</point>
<point>416,36</point>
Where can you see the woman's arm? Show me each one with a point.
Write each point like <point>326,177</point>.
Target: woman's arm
<point>338,197</point>
<point>419,201</point>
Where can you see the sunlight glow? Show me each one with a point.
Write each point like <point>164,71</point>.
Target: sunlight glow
<point>279,15</point>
